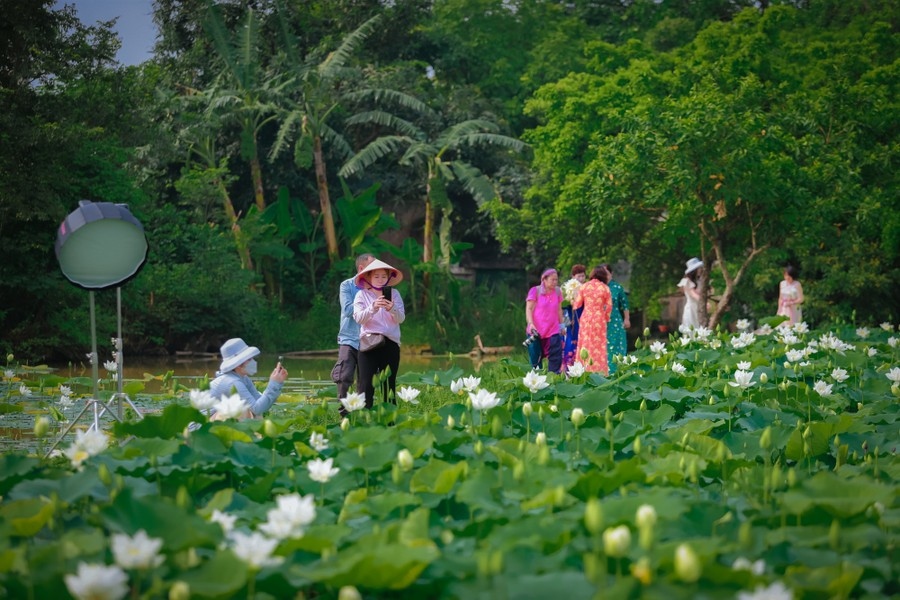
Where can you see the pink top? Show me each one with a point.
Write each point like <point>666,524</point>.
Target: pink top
<point>546,310</point>
<point>378,320</point>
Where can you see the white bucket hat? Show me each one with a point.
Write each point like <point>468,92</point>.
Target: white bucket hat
<point>393,279</point>
<point>236,352</point>
<point>692,265</point>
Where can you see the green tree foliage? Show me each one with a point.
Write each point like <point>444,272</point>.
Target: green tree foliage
<point>746,147</point>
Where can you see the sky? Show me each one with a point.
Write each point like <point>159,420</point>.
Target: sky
<point>135,25</point>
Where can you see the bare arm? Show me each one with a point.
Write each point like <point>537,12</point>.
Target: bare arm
<point>529,314</point>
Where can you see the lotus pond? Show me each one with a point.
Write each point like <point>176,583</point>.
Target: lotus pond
<point>711,465</point>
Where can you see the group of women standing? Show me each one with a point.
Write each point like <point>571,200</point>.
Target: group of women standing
<point>598,318</point>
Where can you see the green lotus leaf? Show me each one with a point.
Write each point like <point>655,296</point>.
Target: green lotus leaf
<point>383,505</point>
<point>550,585</point>
<point>596,401</point>
<point>376,456</point>
<point>220,577</point>
<point>417,443</point>
<point>228,434</point>
<point>437,477</point>
<point>833,581</point>
<point>170,423</point>
<point>27,517</point>
<point>817,441</point>
<point>373,565</point>
<point>13,468</point>
<point>317,539</point>
<point>478,491</point>
<point>841,497</point>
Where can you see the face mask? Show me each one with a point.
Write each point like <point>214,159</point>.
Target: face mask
<point>251,367</point>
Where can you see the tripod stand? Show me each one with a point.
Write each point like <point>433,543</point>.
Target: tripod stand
<point>98,406</point>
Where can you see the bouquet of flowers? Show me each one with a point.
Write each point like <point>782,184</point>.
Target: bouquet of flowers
<point>570,290</point>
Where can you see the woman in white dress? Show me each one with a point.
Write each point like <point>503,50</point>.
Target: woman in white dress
<point>790,296</point>
<point>688,284</point>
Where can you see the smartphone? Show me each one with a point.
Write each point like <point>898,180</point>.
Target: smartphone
<point>388,294</point>
<point>280,360</point>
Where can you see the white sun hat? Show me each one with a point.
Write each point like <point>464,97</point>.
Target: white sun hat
<point>236,352</point>
<point>692,265</point>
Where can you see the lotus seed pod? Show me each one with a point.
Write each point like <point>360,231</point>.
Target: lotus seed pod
<point>593,516</point>
<point>687,565</point>
<point>180,590</point>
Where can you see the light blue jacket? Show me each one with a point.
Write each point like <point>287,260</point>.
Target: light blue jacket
<point>348,335</point>
<point>259,403</point>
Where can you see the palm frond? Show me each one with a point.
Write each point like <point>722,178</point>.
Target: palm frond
<point>291,122</point>
<point>465,128</point>
<point>248,51</point>
<point>418,154</point>
<point>391,97</point>
<point>342,54</point>
<point>215,27</point>
<point>474,181</point>
<point>372,152</point>
<point>336,140</point>
<point>504,141</point>
<point>385,119</point>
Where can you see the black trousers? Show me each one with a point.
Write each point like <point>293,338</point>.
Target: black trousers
<point>374,362</point>
<point>345,370</point>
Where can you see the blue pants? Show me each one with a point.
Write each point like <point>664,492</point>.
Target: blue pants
<point>550,347</point>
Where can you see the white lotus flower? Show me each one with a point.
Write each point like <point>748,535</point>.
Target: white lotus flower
<point>98,582</point>
<point>408,394</point>
<point>111,366</point>
<point>757,567</point>
<point>862,332</point>
<point>231,407</point>
<point>456,386</point>
<point>291,515</point>
<point>470,384</point>
<point>658,348</point>
<point>887,326</point>
<point>65,390</point>
<point>9,373</point>
<point>893,375</point>
<point>892,342</point>
<point>775,591</point>
<point>354,401</point>
<point>801,327</point>
<point>91,357</point>
<point>570,289</point>
<point>576,369</point>
<point>839,375</point>
<point>87,443</point>
<point>484,400</point>
<point>678,368</point>
<point>321,470</point>
<point>202,399</point>
<point>871,352</point>
<point>535,382</point>
<point>65,401</point>
<point>318,441</point>
<point>794,355</point>
<point>766,329</point>
<point>743,324</point>
<point>225,520</point>
<point>255,549</point>
<point>744,365</point>
<point>822,388</point>
<point>742,379</point>
<point>138,552</point>
<point>24,391</point>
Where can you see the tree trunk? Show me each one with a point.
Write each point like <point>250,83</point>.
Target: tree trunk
<point>243,250</point>
<point>325,201</point>
<point>427,242</point>
<point>256,174</point>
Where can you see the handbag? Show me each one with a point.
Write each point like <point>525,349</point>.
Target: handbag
<point>370,341</point>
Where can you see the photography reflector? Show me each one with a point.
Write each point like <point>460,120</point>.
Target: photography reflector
<point>100,245</point>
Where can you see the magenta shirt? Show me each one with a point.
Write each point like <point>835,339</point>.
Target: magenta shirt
<point>546,311</point>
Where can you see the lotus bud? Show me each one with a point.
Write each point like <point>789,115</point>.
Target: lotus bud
<point>521,445</point>
<point>349,592</point>
<point>643,405</point>
<point>182,497</point>
<point>895,390</point>
<point>834,534</point>
<point>764,377</point>
<point>687,565</point>
<point>616,541</point>
<point>446,537</point>
<point>361,450</point>
<point>775,481</point>
<point>645,516</point>
<point>519,471</point>
<point>451,422</point>
<point>396,474</point>
<point>837,440</point>
<point>711,401</point>
<point>543,455</point>
<point>638,344</point>
<point>637,445</point>
<point>745,534</point>
<point>479,447</point>
<point>345,424</point>
<point>593,516</point>
<point>584,355</point>
<point>646,332</point>
<point>437,379</point>
<point>497,427</point>
<point>269,428</point>
<point>765,440</point>
<point>693,471</point>
<point>41,427</point>
<point>527,409</point>
<point>568,436</point>
<point>104,475</point>
<point>577,417</point>
<point>496,562</point>
<point>792,477</point>
<point>180,590</point>
<point>405,459</point>
<point>725,391</point>
<point>540,439</point>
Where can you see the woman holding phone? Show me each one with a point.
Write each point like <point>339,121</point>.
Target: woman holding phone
<point>379,310</point>
<point>238,366</point>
